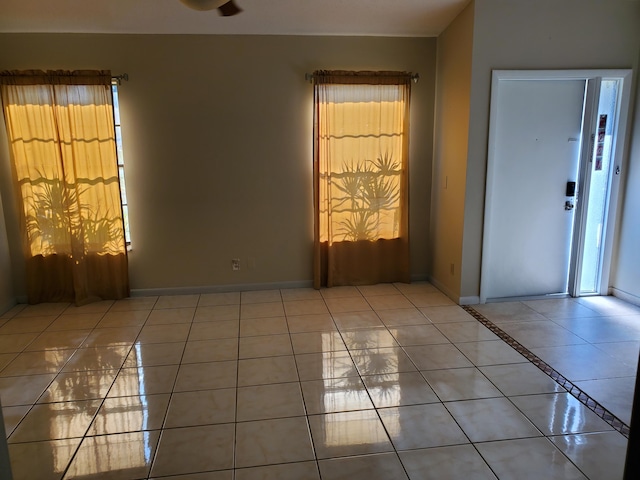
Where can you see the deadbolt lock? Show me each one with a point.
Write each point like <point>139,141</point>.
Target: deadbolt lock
<point>568,205</point>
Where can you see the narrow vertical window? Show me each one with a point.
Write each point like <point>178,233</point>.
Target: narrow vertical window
<point>120,154</point>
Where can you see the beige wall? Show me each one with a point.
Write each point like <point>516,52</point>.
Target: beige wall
<point>217,134</point>
<point>7,298</point>
<point>545,34</point>
<point>453,90</point>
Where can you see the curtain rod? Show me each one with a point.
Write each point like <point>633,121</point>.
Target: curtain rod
<point>310,76</point>
<point>119,78</point>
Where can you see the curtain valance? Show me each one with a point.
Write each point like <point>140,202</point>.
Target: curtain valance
<point>346,77</point>
<point>55,77</point>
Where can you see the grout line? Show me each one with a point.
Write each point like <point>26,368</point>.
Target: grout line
<point>573,389</point>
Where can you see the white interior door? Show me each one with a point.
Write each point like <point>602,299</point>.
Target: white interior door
<point>534,151</point>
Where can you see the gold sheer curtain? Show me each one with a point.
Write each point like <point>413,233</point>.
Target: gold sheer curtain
<point>62,145</point>
<point>361,140</point>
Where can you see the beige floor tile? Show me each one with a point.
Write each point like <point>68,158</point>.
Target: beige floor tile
<point>415,288</point>
<point>322,322</point>
<point>154,354</point>
<point>261,310</point>
<point>403,316</point>
<point>263,326</point>
<point>507,312</point>
<point>421,426</point>
<point>457,461</point>
<point>171,316</point>
<point>93,307</point>
<point>378,289</point>
<point>388,302</point>
<point>16,342</point>
<point>133,303</point>
<point>305,307</point>
<point>460,384</point>
<point>222,298</point>
<point>219,475</point>
<point>335,395</point>
<point>130,414</point>
<point>27,325</point>
<point>317,342</point>
<point>103,337</point>
<point>96,358</point>
<point>379,361</point>
<point>265,346</point>
<point>42,309</point>
<point>6,359</point>
<point>466,332</point>
<point>12,417</point>
<point>217,313</point>
<point>348,433</point>
<point>194,449</point>
<point>520,379</point>
<point>528,458</point>
<point>177,301</point>
<point>260,296</point>
<point>268,442</point>
<point>491,352</point>
<point>34,363</point>
<point>491,419</point>
<point>615,394</point>
<point>127,318</point>
<point>204,407</point>
<point>340,292</point>
<point>407,335</point>
<point>318,366</point>
<point>437,357</point>
<point>54,456</point>
<point>350,320</point>
<point>435,299</point>
<point>13,311</point>
<point>287,471</point>
<point>114,457</point>
<point>292,294</point>
<point>23,390</point>
<point>540,334</point>
<point>262,402</point>
<point>366,338</point>
<point>214,330</point>
<point>446,314</point>
<point>559,414</point>
<point>56,421</point>
<point>71,386</point>
<point>598,455</point>
<point>58,340</point>
<point>382,466</point>
<point>206,376</point>
<point>396,389</point>
<point>163,333</point>
<point>79,321</point>
<point>262,371</point>
<point>560,308</point>
<point>347,304</point>
<point>144,381</point>
<point>202,351</point>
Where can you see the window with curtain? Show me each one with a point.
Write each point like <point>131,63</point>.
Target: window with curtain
<point>61,134</point>
<point>361,139</point>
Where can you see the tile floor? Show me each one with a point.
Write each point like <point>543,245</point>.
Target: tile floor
<point>377,382</point>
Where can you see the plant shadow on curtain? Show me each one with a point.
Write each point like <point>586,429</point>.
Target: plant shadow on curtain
<point>361,138</point>
<point>63,151</point>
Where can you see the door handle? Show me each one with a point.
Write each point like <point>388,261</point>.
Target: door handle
<point>568,205</point>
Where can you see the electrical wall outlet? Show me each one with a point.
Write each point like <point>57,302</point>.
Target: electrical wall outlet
<point>235,264</point>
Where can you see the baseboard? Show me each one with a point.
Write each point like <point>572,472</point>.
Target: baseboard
<point>472,300</point>
<point>443,289</point>
<point>146,292</point>
<point>626,296</point>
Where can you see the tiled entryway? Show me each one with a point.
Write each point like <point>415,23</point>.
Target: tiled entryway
<point>377,382</point>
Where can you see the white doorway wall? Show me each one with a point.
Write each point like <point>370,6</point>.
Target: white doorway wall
<point>540,148</point>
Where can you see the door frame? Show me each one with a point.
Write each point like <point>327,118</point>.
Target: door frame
<point>618,164</point>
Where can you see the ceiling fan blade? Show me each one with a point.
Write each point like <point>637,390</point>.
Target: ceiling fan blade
<point>229,9</point>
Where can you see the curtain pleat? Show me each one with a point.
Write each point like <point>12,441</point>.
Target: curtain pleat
<point>361,221</point>
<point>62,142</point>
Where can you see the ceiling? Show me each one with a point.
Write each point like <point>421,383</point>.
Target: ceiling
<point>403,18</point>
